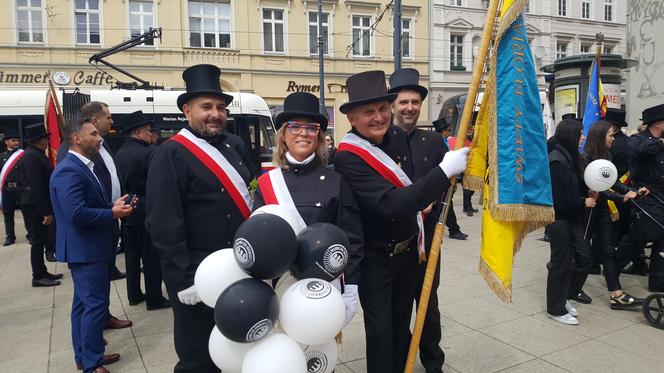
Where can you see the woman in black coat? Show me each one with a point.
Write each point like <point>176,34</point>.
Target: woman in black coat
<point>318,192</point>
<point>570,254</point>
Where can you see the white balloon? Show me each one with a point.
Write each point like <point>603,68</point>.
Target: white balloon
<point>277,353</point>
<point>600,175</point>
<point>322,358</point>
<point>226,354</point>
<point>215,273</point>
<point>312,311</point>
<point>281,212</point>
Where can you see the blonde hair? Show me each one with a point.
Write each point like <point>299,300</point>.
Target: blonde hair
<point>279,155</point>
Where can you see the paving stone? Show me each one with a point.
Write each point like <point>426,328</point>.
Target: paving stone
<point>532,366</point>
<point>478,313</point>
<point>24,344</point>
<point>637,339</point>
<point>476,352</point>
<point>157,349</point>
<point>35,363</point>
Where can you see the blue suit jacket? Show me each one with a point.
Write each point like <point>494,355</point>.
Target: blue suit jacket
<point>84,216</point>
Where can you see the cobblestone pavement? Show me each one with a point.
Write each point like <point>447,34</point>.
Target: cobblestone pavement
<point>480,333</point>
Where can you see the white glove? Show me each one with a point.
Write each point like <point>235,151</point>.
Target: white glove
<point>350,300</point>
<point>189,296</point>
<point>454,162</point>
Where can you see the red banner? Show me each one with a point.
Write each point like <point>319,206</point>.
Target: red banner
<point>52,120</point>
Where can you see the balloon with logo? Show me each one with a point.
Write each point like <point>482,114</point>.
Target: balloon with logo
<point>277,353</point>
<point>322,252</point>
<point>281,212</point>
<point>226,354</point>
<point>265,246</point>
<point>215,273</point>
<point>600,175</point>
<point>322,358</point>
<point>312,311</point>
<point>246,311</point>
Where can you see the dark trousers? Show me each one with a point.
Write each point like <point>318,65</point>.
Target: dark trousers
<point>10,200</point>
<point>138,247</point>
<point>451,221</point>
<point>467,201</point>
<point>431,355</point>
<point>89,312</point>
<point>387,290</point>
<point>192,328</point>
<point>601,230</point>
<point>39,234</point>
<point>568,268</point>
<point>656,276</point>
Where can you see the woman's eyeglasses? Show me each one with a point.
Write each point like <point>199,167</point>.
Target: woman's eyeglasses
<point>296,128</point>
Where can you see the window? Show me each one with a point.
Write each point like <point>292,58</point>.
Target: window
<point>273,30</point>
<point>456,52</point>
<point>561,49</point>
<point>527,7</point>
<point>362,36</point>
<point>29,21</point>
<point>608,49</point>
<point>141,17</point>
<point>406,37</point>
<point>87,21</point>
<point>456,2</point>
<point>585,48</point>
<point>585,9</point>
<point>314,35</point>
<point>562,8</point>
<point>608,10</point>
<point>210,24</point>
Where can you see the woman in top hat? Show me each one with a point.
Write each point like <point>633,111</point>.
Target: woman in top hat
<point>318,192</point>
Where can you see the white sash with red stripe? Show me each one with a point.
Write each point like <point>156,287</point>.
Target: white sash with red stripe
<point>7,169</point>
<point>275,192</point>
<point>213,160</point>
<point>386,167</point>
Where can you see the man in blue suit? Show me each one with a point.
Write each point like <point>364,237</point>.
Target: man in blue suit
<point>84,240</point>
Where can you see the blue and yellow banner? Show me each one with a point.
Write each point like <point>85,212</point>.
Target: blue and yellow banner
<point>512,144</point>
<point>595,101</point>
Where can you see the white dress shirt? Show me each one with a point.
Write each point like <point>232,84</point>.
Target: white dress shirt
<point>110,165</point>
<point>88,163</point>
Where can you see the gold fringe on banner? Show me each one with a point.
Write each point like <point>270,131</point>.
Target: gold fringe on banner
<point>504,293</point>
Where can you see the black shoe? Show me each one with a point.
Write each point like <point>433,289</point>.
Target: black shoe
<point>435,370</point>
<point>624,301</point>
<point>50,257</point>
<point>639,269</point>
<point>44,282</point>
<point>458,235</point>
<point>582,298</point>
<point>469,212</point>
<point>595,270</point>
<point>9,241</point>
<point>163,303</point>
<point>139,300</point>
<point>117,275</point>
<point>52,276</point>
<point>546,238</point>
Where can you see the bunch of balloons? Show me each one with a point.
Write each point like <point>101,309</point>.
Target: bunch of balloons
<point>257,330</point>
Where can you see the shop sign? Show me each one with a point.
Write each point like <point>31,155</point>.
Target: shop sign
<point>62,78</point>
<point>294,86</point>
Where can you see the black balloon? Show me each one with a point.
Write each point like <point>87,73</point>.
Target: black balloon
<point>322,252</point>
<point>265,246</point>
<point>246,311</point>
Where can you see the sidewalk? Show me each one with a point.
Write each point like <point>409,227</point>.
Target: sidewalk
<point>480,334</point>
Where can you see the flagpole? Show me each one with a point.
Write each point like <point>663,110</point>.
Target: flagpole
<point>434,254</point>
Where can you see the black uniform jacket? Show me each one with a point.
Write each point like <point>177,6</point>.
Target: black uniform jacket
<point>36,172</point>
<point>428,150</point>
<point>189,213</point>
<point>321,195</point>
<point>14,177</point>
<point>244,151</point>
<point>647,160</point>
<point>132,162</point>
<point>388,213</point>
<point>620,153</point>
<point>569,194</point>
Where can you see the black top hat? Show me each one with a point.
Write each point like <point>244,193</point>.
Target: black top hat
<point>653,114</point>
<point>202,80</point>
<point>615,117</point>
<point>299,105</point>
<point>568,116</point>
<point>35,132</point>
<point>10,133</point>
<point>131,121</point>
<point>366,88</point>
<point>440,124</point>
<point>407,79</point>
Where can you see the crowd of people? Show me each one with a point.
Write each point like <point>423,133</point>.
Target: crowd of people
<point>382,185</point>
<point>609,228</point>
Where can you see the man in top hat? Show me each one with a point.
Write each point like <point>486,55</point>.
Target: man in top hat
<point>35,201</point>
<point>196,198</point>
<point>10,181</point>
<point>132,161</point>
<point>427,151</point>
<point>647,170</point>
<point>619,148</point>
<point>375,159</point>
<point>441,126</point>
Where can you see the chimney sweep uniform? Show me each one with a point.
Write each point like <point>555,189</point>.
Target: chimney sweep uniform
<point>11,185</point>
<point>191,213</point>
